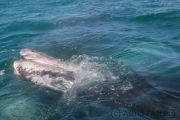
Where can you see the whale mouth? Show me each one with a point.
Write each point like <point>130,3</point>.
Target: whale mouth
<point>23,57</point>
<point>43,70</point>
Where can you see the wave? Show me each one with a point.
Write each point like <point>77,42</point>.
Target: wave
<point>169,16</point>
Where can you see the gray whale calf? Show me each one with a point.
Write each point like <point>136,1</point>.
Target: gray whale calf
<point>44,70</point>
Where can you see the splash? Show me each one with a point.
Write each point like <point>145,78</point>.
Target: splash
<point>91,73</point>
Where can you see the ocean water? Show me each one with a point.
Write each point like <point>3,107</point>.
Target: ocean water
<point>126,55</point>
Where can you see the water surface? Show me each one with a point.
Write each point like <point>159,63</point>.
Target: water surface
<point>127,53</point>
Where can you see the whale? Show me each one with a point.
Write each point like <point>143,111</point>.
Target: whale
<point>44,70</point>
<point>38,57</point>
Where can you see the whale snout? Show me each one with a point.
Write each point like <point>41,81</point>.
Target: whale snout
<point>25,52</point>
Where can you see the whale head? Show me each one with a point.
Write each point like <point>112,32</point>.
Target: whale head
<point>32,55</point>
<point>29,54</point>
<point>43,70</point>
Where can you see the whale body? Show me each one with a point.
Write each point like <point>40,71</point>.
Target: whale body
<point>44,70</point>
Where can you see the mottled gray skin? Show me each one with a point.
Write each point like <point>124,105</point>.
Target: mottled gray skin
<point>34,63</point>
<point>32,55</point>
<point>24,68</point>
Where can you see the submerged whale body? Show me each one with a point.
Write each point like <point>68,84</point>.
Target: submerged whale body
<point>44,70</point>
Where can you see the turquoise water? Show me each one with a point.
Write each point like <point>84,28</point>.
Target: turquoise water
<point>137,43</point>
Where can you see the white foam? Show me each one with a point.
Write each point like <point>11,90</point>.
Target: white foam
<point>53,83</point>
<point>2,72</point>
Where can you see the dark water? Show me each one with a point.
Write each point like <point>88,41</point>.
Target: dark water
<point>135,45</point>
